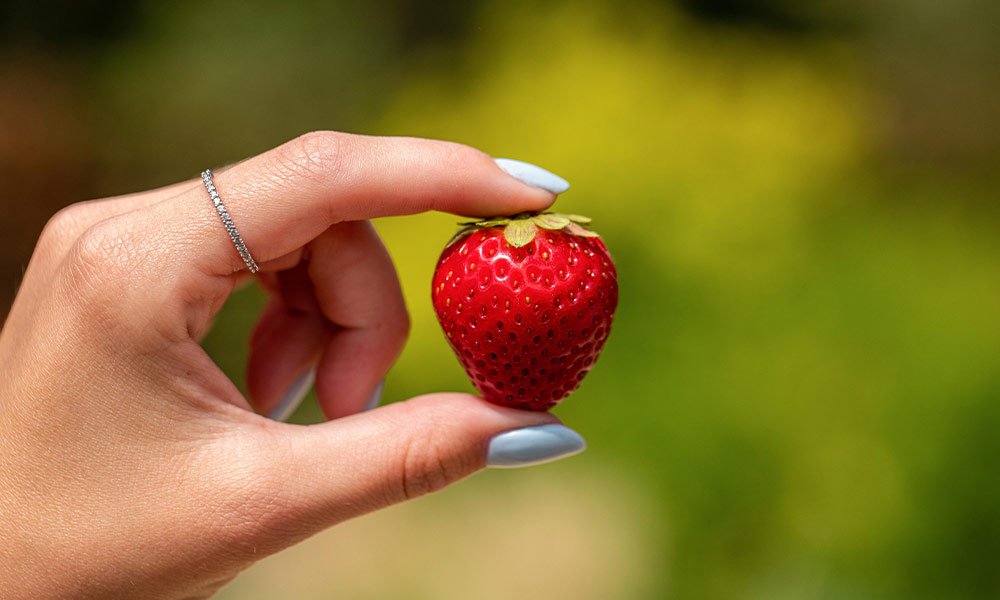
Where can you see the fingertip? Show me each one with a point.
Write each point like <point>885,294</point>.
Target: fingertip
<point>375,398</point>
<point>294,396</point>
<point>464,180</point>
<point>530,446</point>
<point>533,175</point>
<point>284,348</point>
<point>471,415</point>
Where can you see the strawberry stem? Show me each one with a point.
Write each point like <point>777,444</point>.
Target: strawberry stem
<point>520,229</point>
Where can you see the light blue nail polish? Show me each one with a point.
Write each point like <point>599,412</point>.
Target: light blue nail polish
<point>533,175</point>
<point>294,396</point>
<point>376,398</point>
<point>533,446</point>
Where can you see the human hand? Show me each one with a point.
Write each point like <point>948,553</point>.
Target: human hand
<point>131,466</point>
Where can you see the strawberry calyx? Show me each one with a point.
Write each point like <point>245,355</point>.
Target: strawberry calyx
<point>520,229</point>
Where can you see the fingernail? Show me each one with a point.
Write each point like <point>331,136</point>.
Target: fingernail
<point>533,446</point>
<point>533,175</point>
<point>376,397</point>
<point>294,396</point>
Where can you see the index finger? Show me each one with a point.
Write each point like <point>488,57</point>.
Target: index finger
<point>286,197</point>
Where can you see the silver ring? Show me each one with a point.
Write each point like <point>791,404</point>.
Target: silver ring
<point>206,177</point>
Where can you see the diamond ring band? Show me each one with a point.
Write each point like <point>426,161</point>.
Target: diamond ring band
<point>234,234</point>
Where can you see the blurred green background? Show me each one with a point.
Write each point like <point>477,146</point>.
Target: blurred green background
<point>801,394</point>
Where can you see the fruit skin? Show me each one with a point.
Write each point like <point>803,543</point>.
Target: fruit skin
<point>527,323</point>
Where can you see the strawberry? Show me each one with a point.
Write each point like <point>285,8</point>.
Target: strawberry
<point>526,303</point>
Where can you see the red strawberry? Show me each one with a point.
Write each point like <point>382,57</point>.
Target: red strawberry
<point>526,303</point>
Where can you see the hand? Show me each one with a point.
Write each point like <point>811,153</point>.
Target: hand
<point>130,466</point>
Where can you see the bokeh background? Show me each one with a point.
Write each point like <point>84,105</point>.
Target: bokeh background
<point>801,394</point>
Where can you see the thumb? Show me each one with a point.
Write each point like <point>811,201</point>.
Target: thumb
<point>358,464</point>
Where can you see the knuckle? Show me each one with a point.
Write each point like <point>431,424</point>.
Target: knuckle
<point>63,222</point>
<point>98,271</point>
<point>62,229</point>
<point>396,328</point>
<point>108,277</point>
<point>428,465</point>
<point>312,154</point>
<point>101,251</point>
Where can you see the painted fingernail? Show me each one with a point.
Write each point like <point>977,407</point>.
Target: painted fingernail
<point>533,446</point>
<point>294,396</point>
<point>376,398</point>
<point>533,175</point>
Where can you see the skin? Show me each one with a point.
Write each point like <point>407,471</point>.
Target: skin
<point>130,466</point>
